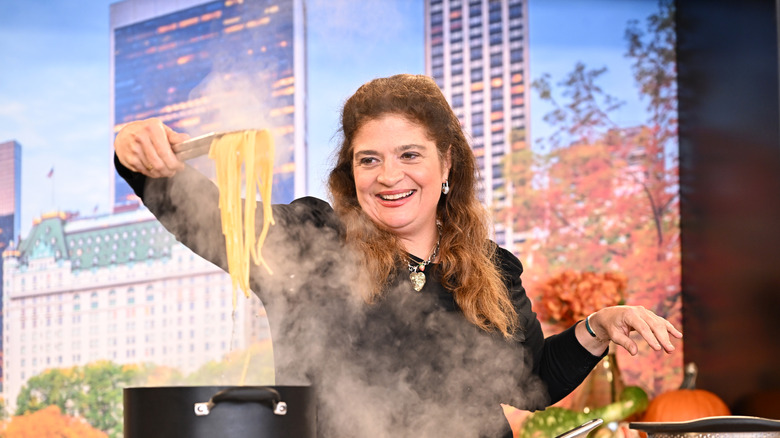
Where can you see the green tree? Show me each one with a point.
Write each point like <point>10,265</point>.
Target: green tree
<point>252,366</point>
<point>52,387</point>
<point>3,412</point>
<point>92,391</point>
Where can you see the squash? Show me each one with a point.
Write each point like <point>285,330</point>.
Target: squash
<point>554,420</point>
<point>686,403</point>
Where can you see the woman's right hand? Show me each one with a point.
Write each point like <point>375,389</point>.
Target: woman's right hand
<point>145,146</point>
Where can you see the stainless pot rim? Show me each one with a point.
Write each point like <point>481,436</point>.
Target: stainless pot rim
<point>721,424</point>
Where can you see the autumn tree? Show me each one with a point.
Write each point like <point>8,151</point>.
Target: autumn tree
<point>49,422</point>
<point>605,197</point>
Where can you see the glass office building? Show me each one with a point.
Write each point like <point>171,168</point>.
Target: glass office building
<point>477,51</point>
<point>213,66</point>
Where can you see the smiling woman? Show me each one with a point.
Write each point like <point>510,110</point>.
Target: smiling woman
<point>384,353</point>
<point>398,177</point>
<point>385,117</point>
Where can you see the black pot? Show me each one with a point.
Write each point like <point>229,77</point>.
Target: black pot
<point>219,411</point>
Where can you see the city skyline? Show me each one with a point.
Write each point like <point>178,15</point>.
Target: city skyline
<point>63,125</point>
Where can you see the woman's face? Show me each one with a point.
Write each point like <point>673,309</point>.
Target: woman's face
<point>398,176</point>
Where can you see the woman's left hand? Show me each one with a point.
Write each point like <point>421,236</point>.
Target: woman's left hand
<point>616,324</point>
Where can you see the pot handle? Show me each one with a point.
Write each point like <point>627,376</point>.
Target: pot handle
<point>257,394</point>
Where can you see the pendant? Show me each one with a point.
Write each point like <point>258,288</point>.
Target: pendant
<point>418,280</point>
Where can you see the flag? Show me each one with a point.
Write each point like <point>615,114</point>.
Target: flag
<point>51,173</point>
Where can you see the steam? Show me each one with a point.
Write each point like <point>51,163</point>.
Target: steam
<point>400,367</point>
<point>234,101</point>
<point>403,366</point>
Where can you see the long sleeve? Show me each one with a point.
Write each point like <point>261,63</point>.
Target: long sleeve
<point>187,205</point>
<point>559,360</point>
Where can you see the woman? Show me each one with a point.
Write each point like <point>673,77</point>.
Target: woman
<point>394,303</point>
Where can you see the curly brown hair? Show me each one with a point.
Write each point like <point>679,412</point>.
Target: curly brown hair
<point>466,254</point>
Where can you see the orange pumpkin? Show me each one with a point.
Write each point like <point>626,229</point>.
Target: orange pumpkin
<point>686,403</point>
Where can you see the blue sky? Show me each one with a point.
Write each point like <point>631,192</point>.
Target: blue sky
<point>54,79</point>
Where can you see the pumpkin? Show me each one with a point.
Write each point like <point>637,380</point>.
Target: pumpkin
<point>686,403</point>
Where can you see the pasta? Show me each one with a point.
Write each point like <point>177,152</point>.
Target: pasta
<point>254,152</point>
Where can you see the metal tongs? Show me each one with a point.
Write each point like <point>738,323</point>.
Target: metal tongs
<point>582,430</point>
<point>199,145</point>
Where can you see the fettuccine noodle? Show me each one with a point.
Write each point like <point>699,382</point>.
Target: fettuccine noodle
<point>254,152</point>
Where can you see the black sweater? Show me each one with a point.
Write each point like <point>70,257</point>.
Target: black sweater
<point>411,360</point>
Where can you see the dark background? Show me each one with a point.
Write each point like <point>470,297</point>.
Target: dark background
<point>730,192</point>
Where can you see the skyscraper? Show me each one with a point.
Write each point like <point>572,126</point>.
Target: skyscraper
<point>10,211</point>
<point>10,192</point>
<point>477,51</point>
<point>203,66</point>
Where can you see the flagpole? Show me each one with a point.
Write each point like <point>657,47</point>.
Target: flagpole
<point>50,175</point>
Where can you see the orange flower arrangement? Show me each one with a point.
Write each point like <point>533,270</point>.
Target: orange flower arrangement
<point>571,296</point>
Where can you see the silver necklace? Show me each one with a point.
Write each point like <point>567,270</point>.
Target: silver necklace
<point>418,277</point>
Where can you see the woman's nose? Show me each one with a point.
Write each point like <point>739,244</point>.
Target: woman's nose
<point>390,173</point>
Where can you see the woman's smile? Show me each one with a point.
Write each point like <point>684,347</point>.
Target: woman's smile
<point>398,178</point>
<point>391,197</point>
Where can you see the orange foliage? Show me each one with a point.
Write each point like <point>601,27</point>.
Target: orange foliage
<point>571,296</point>
<point>603,207</point>
<point>50,423</point>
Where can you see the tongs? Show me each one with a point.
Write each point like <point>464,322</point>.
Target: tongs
<point>199,145</point>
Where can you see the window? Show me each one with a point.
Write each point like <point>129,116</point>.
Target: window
<point>457,100</point>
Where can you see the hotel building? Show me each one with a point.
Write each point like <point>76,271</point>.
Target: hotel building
<point>213,66</point>
<point>117,288</point>
<point>477,51</point>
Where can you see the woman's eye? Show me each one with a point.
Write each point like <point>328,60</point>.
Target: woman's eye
<point>409,155</point>
<point>365,161</point>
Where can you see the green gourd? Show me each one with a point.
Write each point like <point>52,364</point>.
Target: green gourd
<point>554,421</point>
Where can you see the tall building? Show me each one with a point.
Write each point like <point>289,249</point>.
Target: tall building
<point>116,288</point>
<point>10,212</point>
<point>209,66</point>
<point>477,51</point>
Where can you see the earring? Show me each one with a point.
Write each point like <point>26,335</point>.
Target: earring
<point>445,187</point>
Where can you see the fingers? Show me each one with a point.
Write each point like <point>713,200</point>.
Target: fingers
<point>673,330</point>
<point>145,146</point>
<point>156,149</point>
<point>627,343</point>
<point>166,153</point>
<point>620,321</point>
<point>639,321</point>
